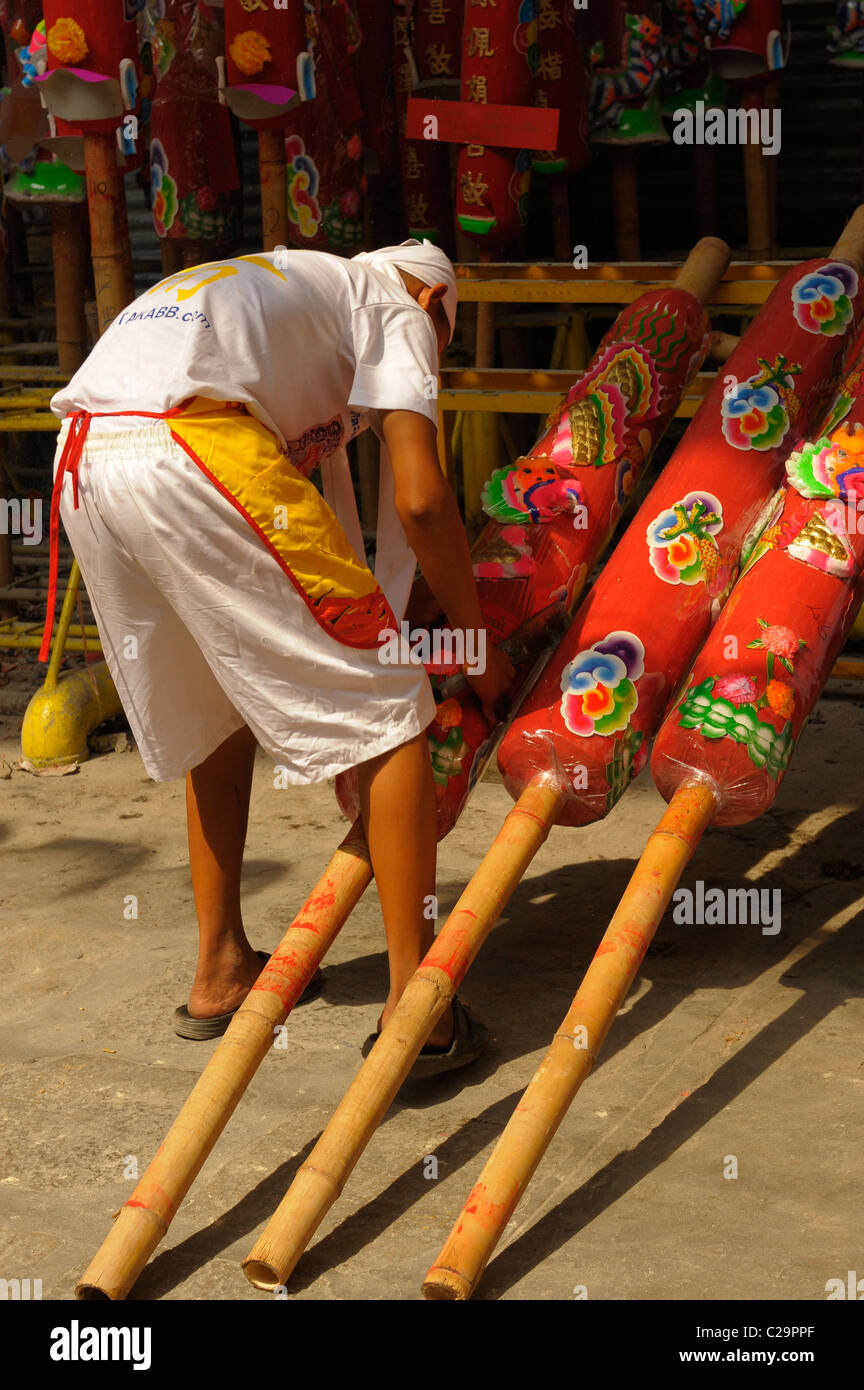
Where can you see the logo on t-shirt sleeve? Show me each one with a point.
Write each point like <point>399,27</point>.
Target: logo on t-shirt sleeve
<point>315,444</point>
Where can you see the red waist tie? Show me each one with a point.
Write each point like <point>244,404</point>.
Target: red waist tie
<point>79,424</point>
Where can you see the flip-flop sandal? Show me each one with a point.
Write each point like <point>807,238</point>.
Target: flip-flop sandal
<point>202,1029</point>
<point>470,1039</point>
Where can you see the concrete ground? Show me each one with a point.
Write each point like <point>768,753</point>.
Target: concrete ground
<point>731,1044</point>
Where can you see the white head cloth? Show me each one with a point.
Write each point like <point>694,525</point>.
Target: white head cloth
<point>421,258</point>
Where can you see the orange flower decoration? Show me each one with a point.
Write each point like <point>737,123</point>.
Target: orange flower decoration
<point>849,437</point>
<point>448,714</point>
<point>781,697</point>
<point>250,51</point>
<point>66,41</point>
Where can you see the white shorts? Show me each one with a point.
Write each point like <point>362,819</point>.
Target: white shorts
<point>203,631</point>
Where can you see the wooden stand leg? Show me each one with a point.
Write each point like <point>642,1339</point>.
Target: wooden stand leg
<point>69,254</point>
<point>109,228</point>
<point>757,186</point>
<point>274,188</point>
<point>574,1050</point>
<point>625,204</point>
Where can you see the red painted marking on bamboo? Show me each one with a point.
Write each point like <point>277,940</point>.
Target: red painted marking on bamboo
<point>487,1213</point>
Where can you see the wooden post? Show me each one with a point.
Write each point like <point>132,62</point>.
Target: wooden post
<point>625,203</point>
<point>757,187</point>
<point>322,1177</point>
<point>480,433</point>
<point>69,253</point>
<point>109,228</point>
<point>274,188</point>
<point>574,1049</point>
<point>144,1219</point>
<point>561,220</point>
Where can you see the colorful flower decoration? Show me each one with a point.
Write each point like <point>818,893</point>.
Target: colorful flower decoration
<point>756,414</point>
<point>303,181</point>
<point>629,756</point>
<point>621,389</point>
<point>823,299</point>
<point>639,68</point>
<point>737,689</point>
<point>716,17</point>
<point>823,541</point>
<point>34,58</point>
<point>519,185</point>
<point>681,545</point>
<point>832,466</point>
<point>599,694</point>
<point>532,489</point>
<point>504,555</point>
<point>708,712</point>
<point>780,697</point>
<point>447,753</point>
<point>525,37</point>
<point>67,42</point>
<point>250,52</point>
<point>163,189</point>
<point>780,643</point>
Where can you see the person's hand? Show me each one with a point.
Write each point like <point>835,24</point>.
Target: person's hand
<point>491,687</point>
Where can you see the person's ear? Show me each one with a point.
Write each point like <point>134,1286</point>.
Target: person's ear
<point>429,294</point>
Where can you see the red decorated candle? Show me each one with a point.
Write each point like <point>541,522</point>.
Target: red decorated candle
<point>765,663</point>
<point>428,51</point>
<point>626,57</point>
<point>324,141</point>
<point>91,81</point>
<point>590,719</point>
<point>373,66</point>
<point>269,68</point>
<point>745,37</point>
<point>193,169</point>
<point>500,59</point>
<point>561,83</point>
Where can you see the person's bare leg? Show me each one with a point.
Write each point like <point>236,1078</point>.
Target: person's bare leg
<point>397,803</point>
<point>217,812</point>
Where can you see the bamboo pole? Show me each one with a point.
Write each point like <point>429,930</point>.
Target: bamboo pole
<point>324,1174</point>
<point>69,255</point>
<point>109,228</point>
<point>144,1219</point>
<point>458,1269</point>
<point>274,188</point>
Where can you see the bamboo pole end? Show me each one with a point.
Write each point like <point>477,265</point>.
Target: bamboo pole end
<point>262,1275</point>
<point>442,1283</point>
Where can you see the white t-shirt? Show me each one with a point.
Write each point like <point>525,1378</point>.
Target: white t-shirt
<point>308,341</point>
<point>313,344</point>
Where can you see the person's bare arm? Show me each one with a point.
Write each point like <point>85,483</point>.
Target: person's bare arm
<point>430,516</point>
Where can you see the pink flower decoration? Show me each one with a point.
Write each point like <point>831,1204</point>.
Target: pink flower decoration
<point>354,147</point>
<point>738,690</point>
<point>349,203</point>
<point>780,640</point>
<point>206,199</point>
